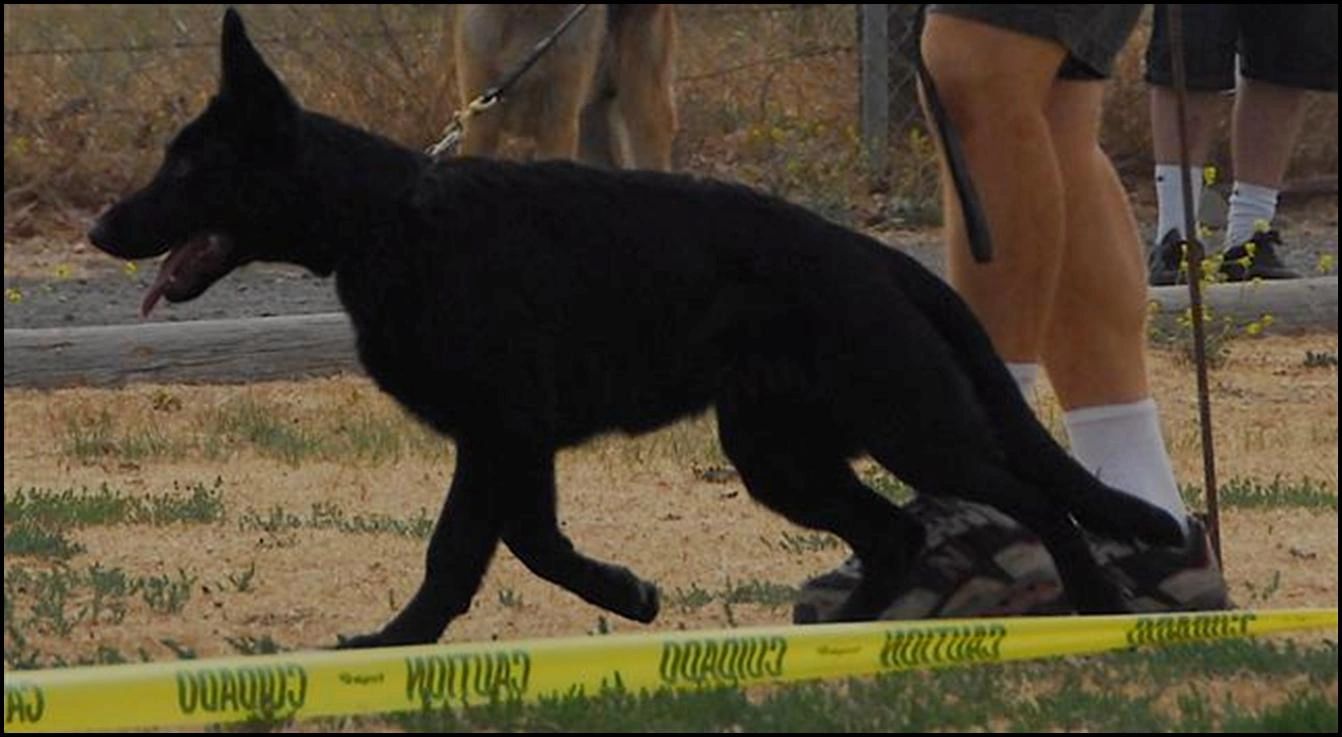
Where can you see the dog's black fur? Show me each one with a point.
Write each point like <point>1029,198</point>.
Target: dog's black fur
<point>520,309</point>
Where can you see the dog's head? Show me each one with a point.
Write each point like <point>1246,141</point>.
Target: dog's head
<point>218,199</point>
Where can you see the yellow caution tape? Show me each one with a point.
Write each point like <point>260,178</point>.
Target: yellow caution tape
<point>333,683</point>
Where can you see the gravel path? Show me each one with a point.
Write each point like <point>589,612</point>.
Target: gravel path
<point>107,296</point>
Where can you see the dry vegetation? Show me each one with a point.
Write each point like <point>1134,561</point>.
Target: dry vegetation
<point>325,492</point>
<point>767,94</point>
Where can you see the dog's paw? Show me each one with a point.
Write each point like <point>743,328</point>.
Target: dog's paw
<point>649,604</point>
<point>359,642</point>
<point>374,639</point>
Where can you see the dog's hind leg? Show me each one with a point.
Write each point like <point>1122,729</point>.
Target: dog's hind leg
<point>987,480</point>
<point>790,464</point>
<point>557,130</point>
<point>531,531</point>
<point>463,542</point>
<point>598,144</point>
<point>642,68</point>
<point>558,137</point>
<point>940,439</point>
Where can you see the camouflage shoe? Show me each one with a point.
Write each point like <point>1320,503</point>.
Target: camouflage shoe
<point>1162,579</point>
<point>976,562</point>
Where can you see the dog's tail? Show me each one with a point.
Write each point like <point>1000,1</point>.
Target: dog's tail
<point>1031,451</point>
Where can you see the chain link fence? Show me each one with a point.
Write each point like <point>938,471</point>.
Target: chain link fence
<point>767,94</point>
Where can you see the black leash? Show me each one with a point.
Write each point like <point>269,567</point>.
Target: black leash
<point>487,99</point>
<point>1194,250</point>
<point>976,223</point>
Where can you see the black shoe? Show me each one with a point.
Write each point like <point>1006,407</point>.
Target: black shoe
<point>1256,258</point>
<point>1168,264</point>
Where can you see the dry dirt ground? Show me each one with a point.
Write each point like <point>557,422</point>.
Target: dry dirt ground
<point>646,503</point>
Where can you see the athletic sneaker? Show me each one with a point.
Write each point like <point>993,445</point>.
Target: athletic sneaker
<point>1162,579</point>
<point>978,562</point>
<point>1167,265</point>
<point>1256,258</point>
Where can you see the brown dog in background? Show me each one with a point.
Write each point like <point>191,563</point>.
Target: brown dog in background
<point>600,95</point>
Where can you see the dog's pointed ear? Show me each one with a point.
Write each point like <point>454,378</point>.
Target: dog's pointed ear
<point>246,77</point>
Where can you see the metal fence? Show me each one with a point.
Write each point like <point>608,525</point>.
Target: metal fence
<point>769,94</point>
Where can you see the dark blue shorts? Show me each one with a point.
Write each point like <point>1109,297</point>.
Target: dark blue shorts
<point>1289,45</point>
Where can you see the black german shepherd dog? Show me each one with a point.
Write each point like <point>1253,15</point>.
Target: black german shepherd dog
<point>520,309</point>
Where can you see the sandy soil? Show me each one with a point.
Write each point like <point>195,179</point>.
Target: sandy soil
<point>640,502</point>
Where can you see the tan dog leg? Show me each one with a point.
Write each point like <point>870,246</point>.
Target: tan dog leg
<point>645,108</point>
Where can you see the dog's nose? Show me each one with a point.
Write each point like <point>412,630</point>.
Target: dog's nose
<point>100,234</point>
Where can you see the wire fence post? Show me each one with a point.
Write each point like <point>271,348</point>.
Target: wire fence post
<point>874,95</point>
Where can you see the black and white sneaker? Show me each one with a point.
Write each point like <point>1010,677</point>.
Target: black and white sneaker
<point>1168,263</point>
<point>1256,258</point>
<point>978,562</point>
<point>1164,579</point>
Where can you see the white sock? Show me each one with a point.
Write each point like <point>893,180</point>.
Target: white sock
<point>1170,197</point>
<point>1249,205</point>
<point>1121,444</point>
<point>1025,374</point>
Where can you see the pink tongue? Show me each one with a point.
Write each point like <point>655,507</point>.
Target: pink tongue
<point>165,277</point>
<point>155,292</point>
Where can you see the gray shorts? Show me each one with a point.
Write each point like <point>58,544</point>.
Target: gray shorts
<point>1290,45</point>
<point>1092,34</point>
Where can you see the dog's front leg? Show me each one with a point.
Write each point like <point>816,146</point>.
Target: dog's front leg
<point>463,542</point>
<point>531,532</point>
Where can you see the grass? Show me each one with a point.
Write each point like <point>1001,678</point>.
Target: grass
<point>92,437</point>
<point>1236,493</point>
<point>272,430</point>
<point>688,600</point>
<point>1320,359</point>
<point>329,516</point>
<point>805,542</point>
<point>771,595</point>
<point>67,508</point>
<point>38,520</point>
<point>101,609</point>
<point>363,433</point>
<point>1242,493</point>
<point>29,539</point>
<point>883,483</point>
<point>62,598</point>
<point>1116,692</point>
<point>1302,712</point>
<point>263,645</point>
<point>164,594</point>
<point>243,580</point>
<point>249,423</point>
<point>764,593</point>
<point>62,601</point>
<point>691,443</point>
<point>1176,689</point>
